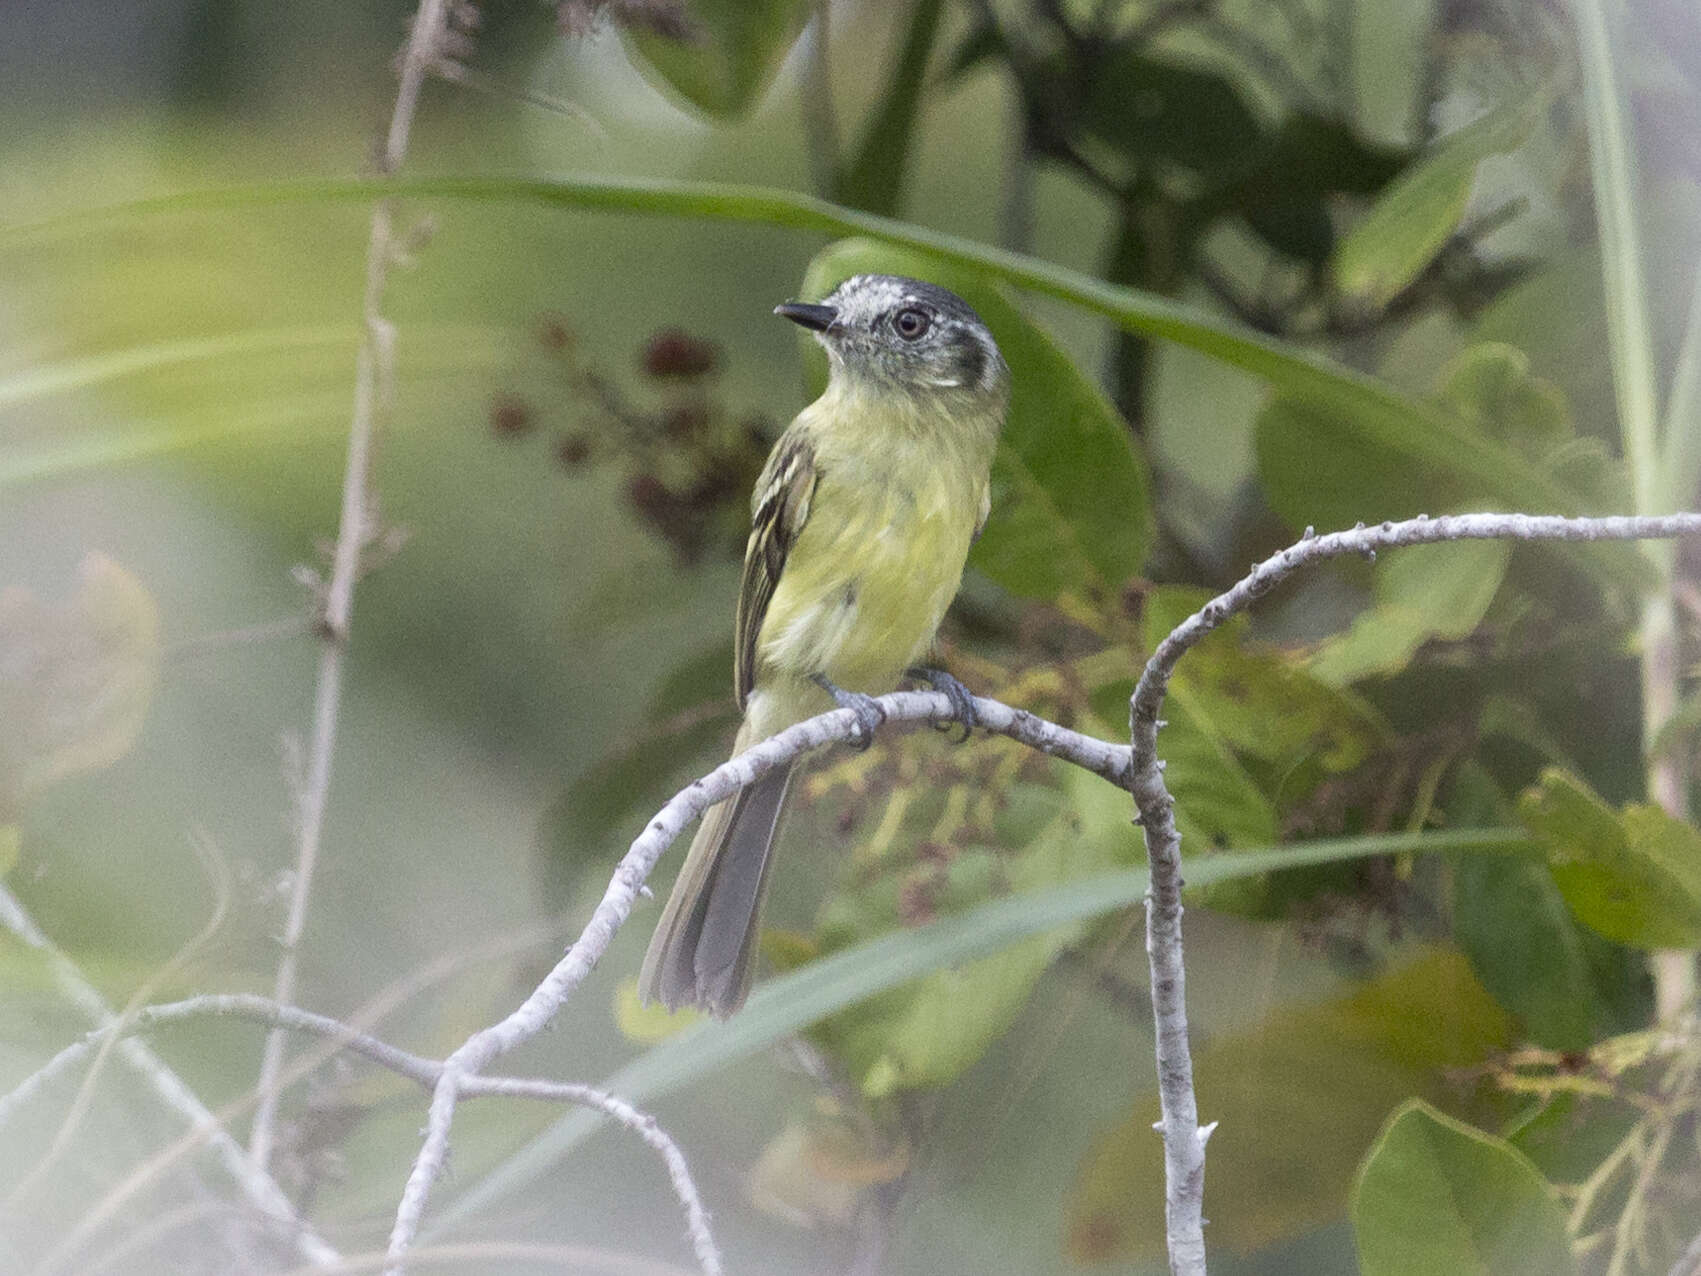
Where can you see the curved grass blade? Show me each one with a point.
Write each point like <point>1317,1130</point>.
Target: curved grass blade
<point>1423,431</point>
<point>790,1003</point>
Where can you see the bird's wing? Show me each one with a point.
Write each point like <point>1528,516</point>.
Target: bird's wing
<point>781,508</point>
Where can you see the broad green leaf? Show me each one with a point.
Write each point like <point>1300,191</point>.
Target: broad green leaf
<point>1567,986</point>
<point>1421,593</point>
<point>1319,466</point>
<point>1633,876</point>
<point>75,678</point>
<point>1071,499</point>
<point>1311,160</point>
<point>1149,108</point>
<point>1438,1198</point>
<point>1298,1099</point>
<point>11,842</point>
<point>874,178</point>
<point>786,1005</point>
<point>1327,466</point>
<point>723,64</point>
<point>1414,217</point>
<point>1218,804</point>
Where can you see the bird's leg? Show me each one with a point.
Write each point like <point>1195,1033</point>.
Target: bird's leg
<point>868,714</point>
<point>961,698</point>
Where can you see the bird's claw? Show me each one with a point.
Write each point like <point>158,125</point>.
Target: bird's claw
<point>869,715</point>
<point>961,698</point>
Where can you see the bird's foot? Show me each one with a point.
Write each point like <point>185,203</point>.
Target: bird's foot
<point>961,698</point>
<point>869,715</point>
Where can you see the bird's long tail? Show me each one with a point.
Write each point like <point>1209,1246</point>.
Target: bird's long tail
<point>704,949</point>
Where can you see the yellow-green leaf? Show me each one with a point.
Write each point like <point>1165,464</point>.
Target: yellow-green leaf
<point>75,677</point>
<point>730,52</point>
<point>1413,218</point>
<point>1439,1198</point>
<point>1422,592</point>
<point>1633,876</point>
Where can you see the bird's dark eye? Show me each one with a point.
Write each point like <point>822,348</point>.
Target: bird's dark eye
<point>911,324</point>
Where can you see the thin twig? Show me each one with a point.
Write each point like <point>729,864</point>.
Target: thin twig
<point>425,1072</point>
<point>218,877</point>
<point>257,1187</point>
<point>374,371</point>
<point>1184,1138</point>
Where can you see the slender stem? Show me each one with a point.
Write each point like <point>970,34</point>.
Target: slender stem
<point>1612,167</point>
<point>374,366</point>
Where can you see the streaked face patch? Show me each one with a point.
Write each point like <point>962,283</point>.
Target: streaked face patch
<point>913,336</point>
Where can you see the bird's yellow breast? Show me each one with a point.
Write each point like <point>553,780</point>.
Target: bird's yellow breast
<point>881,556</point>
<point>869,579</point>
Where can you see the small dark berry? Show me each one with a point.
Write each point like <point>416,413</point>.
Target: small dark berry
<point>510,416</point>
<point>674,352</point>
<point>554,333</point>
<point>573,451</point>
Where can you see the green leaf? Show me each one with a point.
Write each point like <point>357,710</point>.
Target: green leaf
<point>1409,224</point>
<point>1568,986</point>
<point>727,60</point>
<point>1421,593</point>
<point>786,1005</point>
<point>1311,159</point>
<point>1298,1099</point>
<point>874,178</point>
<point>1071,498</point>
<point>1151,108</point>
<point>1633,876</point>
<point>1438,1198</point>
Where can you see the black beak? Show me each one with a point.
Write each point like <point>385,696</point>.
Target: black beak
<point>815,318</point>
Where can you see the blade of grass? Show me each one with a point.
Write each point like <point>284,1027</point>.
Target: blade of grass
<point>1415,428</point>
<point>1612,168</point>
<point>790,1003</point>
<point>445,350</point>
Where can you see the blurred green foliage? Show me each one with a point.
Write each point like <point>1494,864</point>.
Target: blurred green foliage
<point>1255,266</point>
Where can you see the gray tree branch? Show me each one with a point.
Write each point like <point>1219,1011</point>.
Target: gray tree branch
<point>1184,1138</point>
